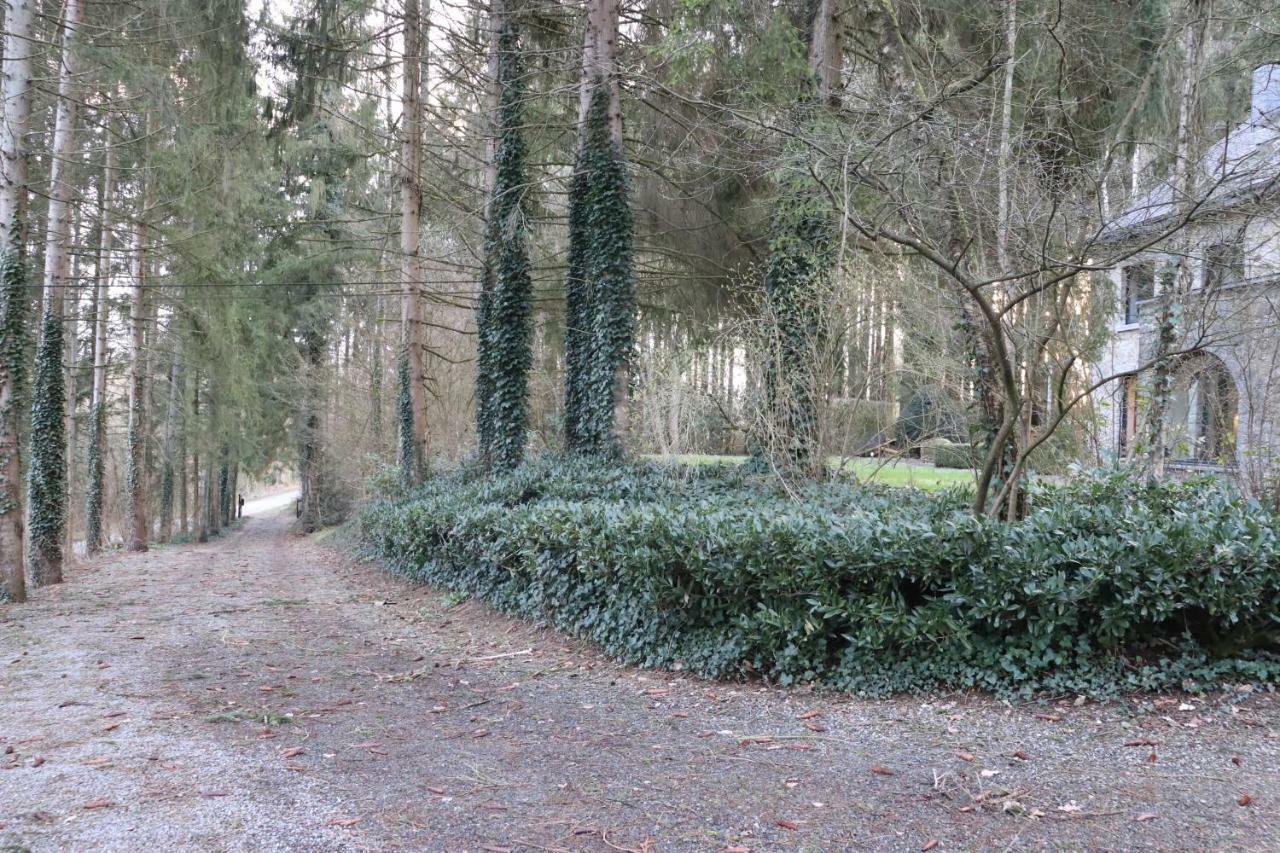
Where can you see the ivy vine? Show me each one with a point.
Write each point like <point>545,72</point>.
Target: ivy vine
<point>600,287</point>
<point>506,311</point>
<point>47,476</point>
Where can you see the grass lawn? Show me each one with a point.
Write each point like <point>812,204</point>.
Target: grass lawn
<point>889,472</point>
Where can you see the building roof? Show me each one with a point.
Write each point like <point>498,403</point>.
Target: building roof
<point>1242,167</point>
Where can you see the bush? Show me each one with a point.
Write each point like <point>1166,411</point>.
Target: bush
<point>953,455</point>
<point>1106,586</point>
<point>930,412</point>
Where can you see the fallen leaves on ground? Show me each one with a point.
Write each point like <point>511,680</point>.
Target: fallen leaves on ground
<point>291,752</point>
<point>99,803</point>
<point>881,771</point>
<point>344,821</point>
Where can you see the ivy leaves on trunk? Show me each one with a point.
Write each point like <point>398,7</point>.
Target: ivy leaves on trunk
<point>506,307</point>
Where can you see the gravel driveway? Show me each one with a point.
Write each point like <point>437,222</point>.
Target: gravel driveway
<point>267,692</point>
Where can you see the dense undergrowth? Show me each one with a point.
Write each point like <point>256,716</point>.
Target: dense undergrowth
<point>1108,586</point>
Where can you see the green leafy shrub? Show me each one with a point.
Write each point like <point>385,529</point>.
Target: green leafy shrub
<point>956,456</point>
<point>1106,586</point>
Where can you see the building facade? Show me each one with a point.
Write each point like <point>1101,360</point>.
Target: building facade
<point>1203,263</point>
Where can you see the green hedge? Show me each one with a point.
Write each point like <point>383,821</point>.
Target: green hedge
<point>956,456</point>
<point>1107,586</point>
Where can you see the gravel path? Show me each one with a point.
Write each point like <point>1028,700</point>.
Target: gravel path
<point>266,692</point>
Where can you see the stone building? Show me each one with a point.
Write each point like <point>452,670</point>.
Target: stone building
<point>1210,256</point>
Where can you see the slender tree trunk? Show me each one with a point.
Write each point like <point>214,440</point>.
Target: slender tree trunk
<point>803,254</point>
<point>47,477</point>
<point>19,25</point>
<point>135,476</point>
<point>171,427</point>
<point>199,517</point>
<point>1183,187</point>
<point>413,423</point>
<point>207,510</point>
<point>98,411</point>
<point>183,526</point>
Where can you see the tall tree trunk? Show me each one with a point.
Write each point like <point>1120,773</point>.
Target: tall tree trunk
<point>135,476</point>
<point>172,424</point>
<point>1183,187</point>
<point>207,508</point>
<point>19,24</point>
<point>506,333</point>
<point>311,470</point>
<point>600,285</point>
<point>94,494</point>
<point>484,313</point>
<point>199,517</point>
<point>47,477</point>
<point>413,423</point>
<point>801,256</point>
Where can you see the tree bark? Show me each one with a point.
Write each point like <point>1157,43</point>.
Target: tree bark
<point>1183,187</point>
<point>135,477</point>
<point>198,515</point>
<point>47,477</point>
<point>414,449</point>
<point>19,24</point>
<point>173,417</point>
<point>98,410</point>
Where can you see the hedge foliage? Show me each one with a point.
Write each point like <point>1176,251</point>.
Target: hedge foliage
<point>1106,586</point>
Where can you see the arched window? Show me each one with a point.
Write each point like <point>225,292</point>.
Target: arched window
<point>1203,416</point>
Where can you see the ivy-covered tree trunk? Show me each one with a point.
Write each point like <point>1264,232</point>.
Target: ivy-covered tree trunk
<point>600,285</point>
<point>184,527</point>
<point>413,424</point>
<point>611,283</point>
<point>506,348</point>
<point>801,254</point>
<point>172,425</point>
<point>94,492</point>
<point>199,519</point>
<point>47,476</point>
<point>484,378</point>
<point>310,448</point>
<point>224,490</point>
<point>135,492</point>
<point>208,507</point>
<point>19,42</point>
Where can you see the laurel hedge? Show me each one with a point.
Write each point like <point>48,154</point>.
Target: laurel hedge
<point>1107,586</point>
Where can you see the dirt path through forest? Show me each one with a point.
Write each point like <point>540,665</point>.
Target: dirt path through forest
<point>266,692</point>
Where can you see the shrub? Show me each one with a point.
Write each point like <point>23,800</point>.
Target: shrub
<point>1107,586</point>
<point>953,455</point>
<point>930,412</point>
